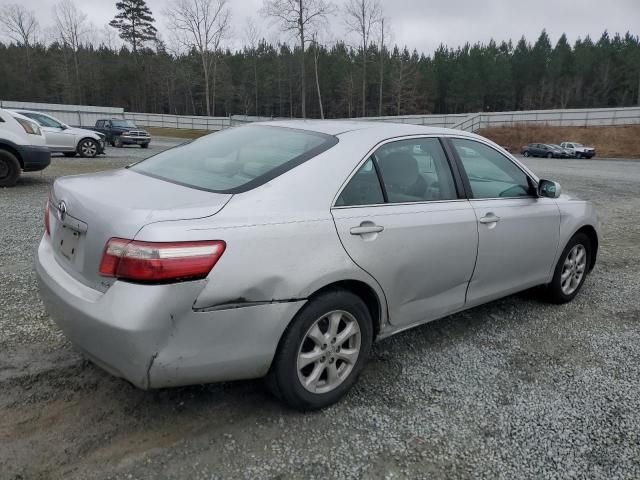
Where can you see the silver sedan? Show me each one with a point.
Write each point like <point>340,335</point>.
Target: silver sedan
<point>285,249</point>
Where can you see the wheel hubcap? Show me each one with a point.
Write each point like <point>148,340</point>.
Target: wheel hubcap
<point>88,148</point>
<point>573,269</point>
<point>329,351</point>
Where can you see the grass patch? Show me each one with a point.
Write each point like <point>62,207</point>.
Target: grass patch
<point>176,132</point>
<point>622,141</point>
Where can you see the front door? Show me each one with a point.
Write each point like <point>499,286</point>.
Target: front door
<point>400,218</point>
<point>518,231</point>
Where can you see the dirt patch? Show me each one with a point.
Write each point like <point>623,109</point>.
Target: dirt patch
<point>176,132</point>
<point>623,141</point>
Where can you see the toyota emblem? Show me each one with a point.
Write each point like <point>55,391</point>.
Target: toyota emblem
<point>62,210</point>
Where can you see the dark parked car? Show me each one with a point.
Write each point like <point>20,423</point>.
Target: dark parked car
<point>123,132</point>
<point>543,150</point>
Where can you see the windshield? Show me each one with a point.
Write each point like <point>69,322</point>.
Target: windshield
<point>237,159</point>
<point>123,123</point>
<point>578,145</point>
<point>43,120</point>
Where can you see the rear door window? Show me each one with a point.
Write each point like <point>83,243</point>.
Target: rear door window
<point>237,159</point>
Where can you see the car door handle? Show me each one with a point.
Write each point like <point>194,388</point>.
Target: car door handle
<point>489,218</point>
<point>364,229</point>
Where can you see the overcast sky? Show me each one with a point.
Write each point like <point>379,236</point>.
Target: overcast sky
<point>421,24</point>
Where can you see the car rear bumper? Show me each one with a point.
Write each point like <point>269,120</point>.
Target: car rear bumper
<point>150,334</point>
<point>34,157</point>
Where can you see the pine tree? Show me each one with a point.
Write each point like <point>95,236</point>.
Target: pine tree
<point>135,23</point>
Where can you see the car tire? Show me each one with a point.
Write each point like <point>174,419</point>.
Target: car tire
<point>578,155</point>
<point>69,154</point>
<point>9,169</point>
<point>88,148</point>
<point>117,142</point>
<point>144,145</point>
<point>311,333</point>
<point>549,155</point>
<point>570,273</point>
<point>526,154</point>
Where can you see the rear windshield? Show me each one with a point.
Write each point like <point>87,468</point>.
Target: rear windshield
<point>237,159</point>
<point>123,123</point>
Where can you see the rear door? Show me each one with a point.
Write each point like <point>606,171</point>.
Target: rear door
<point>401,219</point>
<point>518,231</point>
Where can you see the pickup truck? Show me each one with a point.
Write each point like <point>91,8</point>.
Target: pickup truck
<point>121,132</point>
<point>578,150</point>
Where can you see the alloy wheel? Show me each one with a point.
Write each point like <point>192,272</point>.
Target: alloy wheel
<point>573,269</point>
<point>88,149</point>
<point>329,351</point>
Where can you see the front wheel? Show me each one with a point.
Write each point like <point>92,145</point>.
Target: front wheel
<point>571,270</point>
<point>549,155</point>
<point>117,142</point>
<point>526,154</point>
<point>144,145</point>
<point>88,148</point>
<point>9,169</point>
<point>323,351</point>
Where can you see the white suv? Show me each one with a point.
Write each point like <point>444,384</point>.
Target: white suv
<point>22,147</point>
<point>61,138</point>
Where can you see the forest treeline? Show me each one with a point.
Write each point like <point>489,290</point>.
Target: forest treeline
<point>265,79</point>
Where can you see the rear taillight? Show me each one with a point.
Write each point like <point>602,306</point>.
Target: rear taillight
<point>47,225</point>
<point>152,262</point>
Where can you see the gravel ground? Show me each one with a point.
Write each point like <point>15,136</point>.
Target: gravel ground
<point>513,389</point>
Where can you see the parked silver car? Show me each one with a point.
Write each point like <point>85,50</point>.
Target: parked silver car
<point>62,138</point>
<point>285,249</point>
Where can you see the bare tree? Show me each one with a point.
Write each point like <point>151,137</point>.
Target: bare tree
<point>21,26</point>
<point>316,55</point>
<point>299,17</point>
<point>383,37</point>
<point>361,16</point>
<point>201,25</point>
<point>71,25</point>
<point>252,36</point>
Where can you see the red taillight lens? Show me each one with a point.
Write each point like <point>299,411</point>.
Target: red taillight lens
<point>152,262</point>
<point>47,225</point>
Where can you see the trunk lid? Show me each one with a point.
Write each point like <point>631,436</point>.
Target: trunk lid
<point>87,210</point>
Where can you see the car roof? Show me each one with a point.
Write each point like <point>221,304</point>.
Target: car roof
<point>18,110</point>
<point>376,128</point>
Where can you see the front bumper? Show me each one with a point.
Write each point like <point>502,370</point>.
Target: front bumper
<point>34,157</point>
<point>151,336</point>
<point>135,140</point>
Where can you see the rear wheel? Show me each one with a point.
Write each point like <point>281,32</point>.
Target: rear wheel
<point>571,270</point>
<point>549,155</point>
<point>88,148</point>
<point>323,351</point>
<point>526,154</point>
<point>9,169</point>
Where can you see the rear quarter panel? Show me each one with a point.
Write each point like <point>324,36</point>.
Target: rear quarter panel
<point>282,242</point>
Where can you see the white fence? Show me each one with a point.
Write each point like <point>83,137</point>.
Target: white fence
<point>82,115</point>
<point>559,118</point>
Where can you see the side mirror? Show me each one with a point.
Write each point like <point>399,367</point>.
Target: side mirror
<point>549,189</point>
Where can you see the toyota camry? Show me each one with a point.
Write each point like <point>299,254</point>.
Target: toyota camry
<point>285,249</point>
